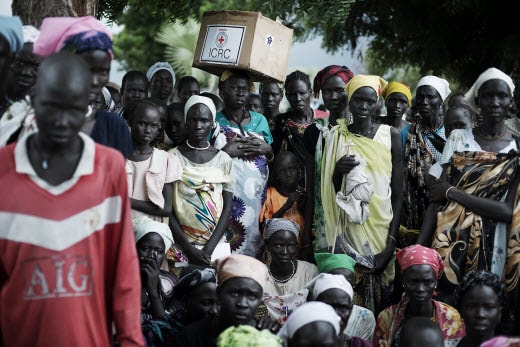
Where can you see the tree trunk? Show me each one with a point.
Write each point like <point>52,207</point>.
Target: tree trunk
<point>32,12</point>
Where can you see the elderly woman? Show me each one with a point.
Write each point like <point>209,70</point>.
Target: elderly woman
<point>480,298</point>
<point>246,137</point>
<point>330,83</point>
<point>285,289</point>
<point>337,292</point>
<point>90,39</point>
<point>312,324</point>
<point>202,199</point>
<point>153,240</point>
<point>478,227</point>
<point>422,142</point>
<point>420,267</point>
<point>363,204</point>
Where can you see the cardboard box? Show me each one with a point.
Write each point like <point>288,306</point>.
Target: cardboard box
<point>243,40</point>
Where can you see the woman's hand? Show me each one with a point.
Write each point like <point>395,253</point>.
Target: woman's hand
<point>234,147</point>
<point>266,323</point>
<point>150,276</point>
<point>256,146</point>
<point>197,257</point>
<point>438,190</point>
<point>381,261</point>
<point>345,164</point>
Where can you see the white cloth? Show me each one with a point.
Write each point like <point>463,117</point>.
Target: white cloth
<point>490,74</point>
<point>355,197</point>
<point>313,311</point>
<point>362,323</point>
<point>144,225</point>
<point>197,99</point>
<point>30,34</point>
<point>158,66</point>
<point>326,281</point>
<point>440,84</point>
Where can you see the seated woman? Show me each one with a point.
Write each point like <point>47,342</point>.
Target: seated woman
<point>246,335</point>
<point>336,291</point>
<point>420,267</point>
<point>153,240</point>
<point>285,289</point>
<point>478,225</point>
<point>362,321</point>
<point>202,199</point>
<point>480,299</point>
<point>312,324</point>
<point>196,296</point>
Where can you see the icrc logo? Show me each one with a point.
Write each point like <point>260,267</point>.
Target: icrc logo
<point>221,39</point>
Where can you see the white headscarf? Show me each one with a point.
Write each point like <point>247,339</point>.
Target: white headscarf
<point>312,311</point>
<point>197,99</point>
<point>160,65</point>
<point>144,225</point>
<point>440,84</point>
<point>276,224</point>
<point>326,281</point>
<point>30,34</point>
<point>490,74</point>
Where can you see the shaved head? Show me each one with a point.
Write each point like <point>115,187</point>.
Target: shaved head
<point>64,70</point>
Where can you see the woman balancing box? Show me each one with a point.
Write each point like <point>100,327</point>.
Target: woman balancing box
<point>243,40</point>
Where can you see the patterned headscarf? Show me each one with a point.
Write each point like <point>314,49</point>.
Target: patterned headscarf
<point>439,84</point>
<point>248,336</point>
<point>324,74</point>
<point>490,74</point>
<point>193,279</point>
<point>11,29</point>
<point>277,224</point>
<point>375,82</point>
<point>419,255</point>
<point>397,87</point>
<point>76,34</point>
<point>239,265</point>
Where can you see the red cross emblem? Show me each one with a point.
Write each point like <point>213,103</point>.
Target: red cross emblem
<point>221,39</point>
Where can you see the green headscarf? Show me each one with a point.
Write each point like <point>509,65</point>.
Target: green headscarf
<point>329,261</point>
<point>247,336</point>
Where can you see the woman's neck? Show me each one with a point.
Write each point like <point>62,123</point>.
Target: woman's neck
<point>142,148</point>
<point>281,269</point>
<point>333,117</point>
<point>234,115</point>
<point>420,310</point>
<point>363,126</point>
<point>431,124</point>
<point>492,130</point>
<point>471,340</point>
<point>303,116</point>
<point>286,190</point>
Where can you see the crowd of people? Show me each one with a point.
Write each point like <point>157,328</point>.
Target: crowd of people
<point>138,216</point>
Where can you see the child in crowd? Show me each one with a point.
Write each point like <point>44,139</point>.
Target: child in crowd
<point>153,239</point>
<point>255,103</point>
<point>285,198</point>
<point>149,170</point>
<point>458,116</point>
<point>175,127</point>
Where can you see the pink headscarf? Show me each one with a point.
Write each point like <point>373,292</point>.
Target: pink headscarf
<point>54,31</point>
<point>419,255</point>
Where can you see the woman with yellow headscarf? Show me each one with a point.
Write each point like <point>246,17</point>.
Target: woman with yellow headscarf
<point>363,205</point>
